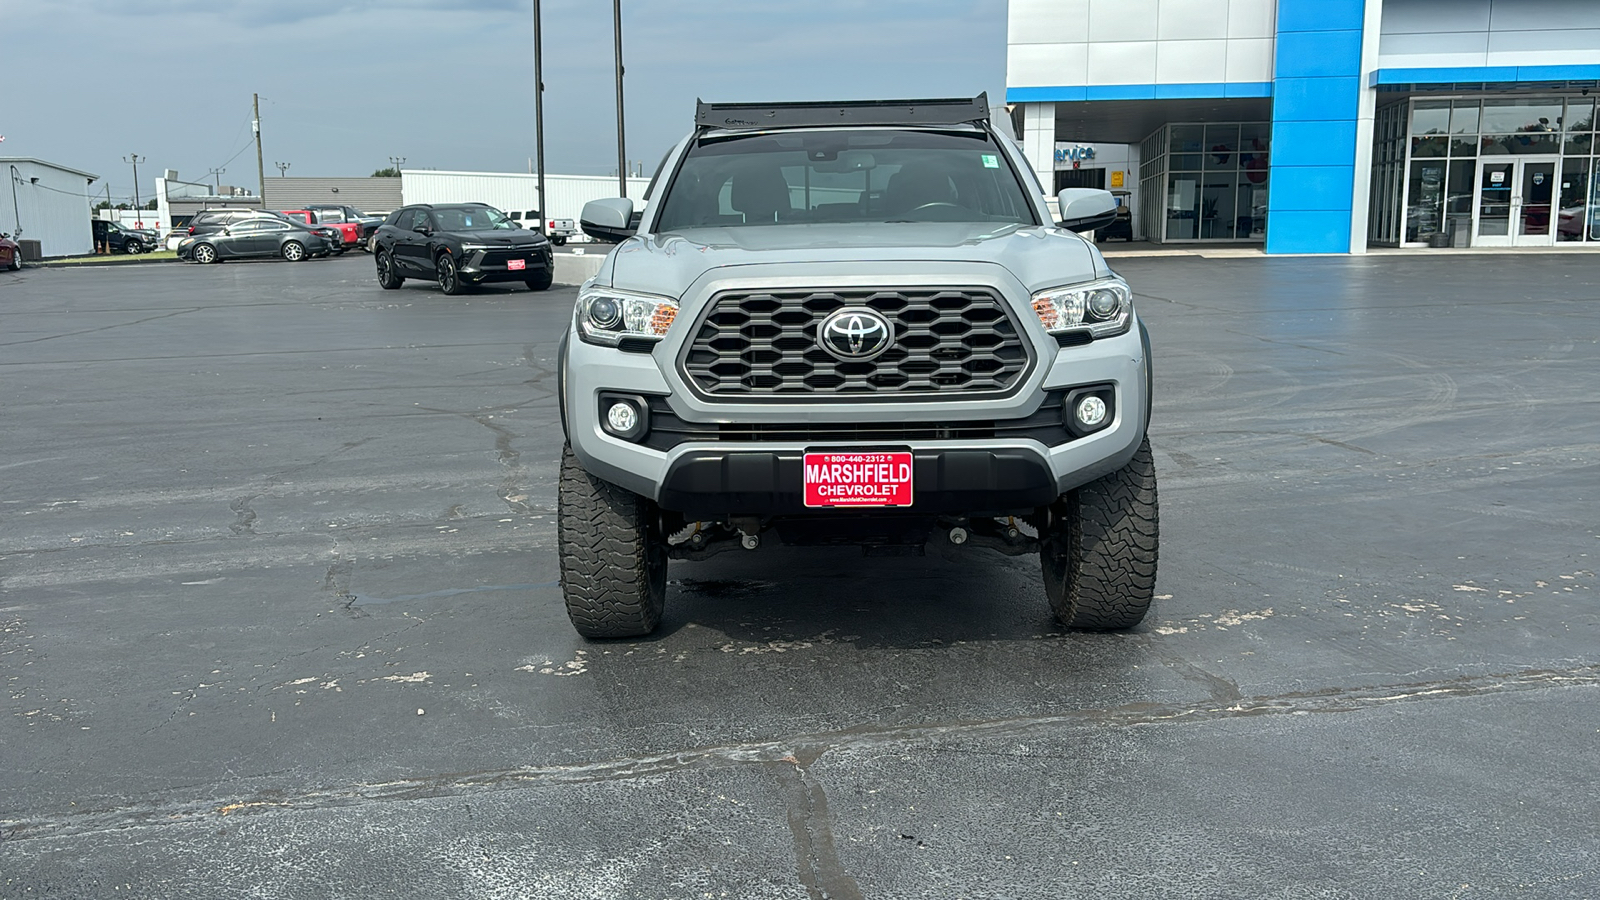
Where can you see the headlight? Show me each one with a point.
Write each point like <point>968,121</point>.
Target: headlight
<point>468,248</point>
<point>1101,308</point>
<point>606,316</point>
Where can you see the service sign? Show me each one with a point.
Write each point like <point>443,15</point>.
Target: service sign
<point>858,479</point>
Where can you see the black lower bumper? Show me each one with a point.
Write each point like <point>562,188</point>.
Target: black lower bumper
<point>713,483</point>
<point>496,274</point>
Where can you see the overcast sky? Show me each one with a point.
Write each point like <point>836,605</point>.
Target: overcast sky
<point>447,84</point>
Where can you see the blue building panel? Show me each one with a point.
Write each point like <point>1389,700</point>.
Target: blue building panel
<point>1318,99</point>
<point>1486,74</point>
<point>1316,95</point>
<point>1311,54</point>
<point>1308,231</point>
<point>1320,15</point>
<point>1314,144</point>
<point>1312,188</point>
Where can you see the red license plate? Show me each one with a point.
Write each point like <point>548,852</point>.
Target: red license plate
<point>858,479</point>
<point>516,265</point>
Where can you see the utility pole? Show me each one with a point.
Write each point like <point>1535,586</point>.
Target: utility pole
<point>622,143</point>
<point>283,169</point>
<point>538,114</point>
<point>261,171</point>
<point>135,159</point>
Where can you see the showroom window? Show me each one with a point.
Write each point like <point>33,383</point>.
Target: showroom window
<point>1205,181</point>
<point>1484,171</point>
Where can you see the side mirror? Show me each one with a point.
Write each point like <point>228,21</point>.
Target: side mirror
<point>1085,209</point>
<point>422,230</point>
<point>610,220</point>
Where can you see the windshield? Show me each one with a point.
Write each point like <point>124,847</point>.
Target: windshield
<point>859,175</point>
<point>472,218</point>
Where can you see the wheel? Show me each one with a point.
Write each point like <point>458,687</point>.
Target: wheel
<point>294,251</point>
<point>386,274</point>
<point>1099,556</point>
<point>542,280</point>
<point>205,254</point>
<point>16,261</point>
<point>133,247</point>
<point>613,558</point>
<point>559,241</point>
<point>449,279</point>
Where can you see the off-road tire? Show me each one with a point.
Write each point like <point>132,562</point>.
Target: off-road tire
<point>613,558</point>
<point>541,281</point>
<point>1099,556</point>
<point>387,278</point>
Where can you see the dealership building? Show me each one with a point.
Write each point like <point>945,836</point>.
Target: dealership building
<point>1319,126</point>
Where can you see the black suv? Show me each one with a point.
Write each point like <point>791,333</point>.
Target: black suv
<point>122,239</point>
<point>460,245</point>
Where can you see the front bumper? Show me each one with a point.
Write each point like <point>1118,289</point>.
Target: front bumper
<point>952,476</point>
<point>489,266</point>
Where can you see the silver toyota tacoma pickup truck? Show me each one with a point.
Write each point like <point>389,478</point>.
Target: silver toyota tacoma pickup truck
<point>853,323</point>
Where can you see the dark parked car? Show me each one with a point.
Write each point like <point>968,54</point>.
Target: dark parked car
<point>122,239</point>
<point>255,236</point>
<point>337,237</point>
<point>459,246</point>
<point>10,253</point>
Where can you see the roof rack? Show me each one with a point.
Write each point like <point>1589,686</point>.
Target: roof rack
<point>760,116</point>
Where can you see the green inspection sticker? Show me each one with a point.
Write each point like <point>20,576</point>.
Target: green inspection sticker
<point>990,161</point>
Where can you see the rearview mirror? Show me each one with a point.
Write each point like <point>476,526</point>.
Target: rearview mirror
<point>1085,209</point>
<point>610,220</point>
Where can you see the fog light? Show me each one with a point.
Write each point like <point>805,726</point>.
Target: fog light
<point>623,418</point>
<point>1091,411</point>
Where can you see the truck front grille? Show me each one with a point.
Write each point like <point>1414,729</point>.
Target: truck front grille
<point>946,341</point>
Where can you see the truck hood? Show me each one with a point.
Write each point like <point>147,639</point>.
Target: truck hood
<point>667,264</point>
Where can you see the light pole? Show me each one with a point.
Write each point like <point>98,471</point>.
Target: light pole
<point>218,174</point>
<point>622,144</point>
<point>135,159</point>
<point>396,162</point>
<point>538,114</point>
<point>283,169</point>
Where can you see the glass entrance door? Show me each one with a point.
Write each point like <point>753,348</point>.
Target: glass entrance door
<point>1514,202</point>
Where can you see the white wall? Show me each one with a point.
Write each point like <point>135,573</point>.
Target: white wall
<point>1053,43</point>
<point>515,191</point>
<point>54,211</point>
<point>1449,33</point>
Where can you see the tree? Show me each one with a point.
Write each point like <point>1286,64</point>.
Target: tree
<point>152,205</point>
<point>390,172</point>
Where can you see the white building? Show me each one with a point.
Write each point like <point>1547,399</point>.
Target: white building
<point>47,203</point>
<point>514,192</point>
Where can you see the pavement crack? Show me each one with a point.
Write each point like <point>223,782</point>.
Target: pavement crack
<point>820,871</point>
<point>798,752</point>
<point>245,517</point>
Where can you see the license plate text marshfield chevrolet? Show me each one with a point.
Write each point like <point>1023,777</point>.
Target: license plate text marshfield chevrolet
<point>858,479</point>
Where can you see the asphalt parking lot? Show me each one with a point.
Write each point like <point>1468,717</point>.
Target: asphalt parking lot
<point>278,616</point>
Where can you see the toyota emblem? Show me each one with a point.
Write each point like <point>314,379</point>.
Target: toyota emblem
<point>855,334</point>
